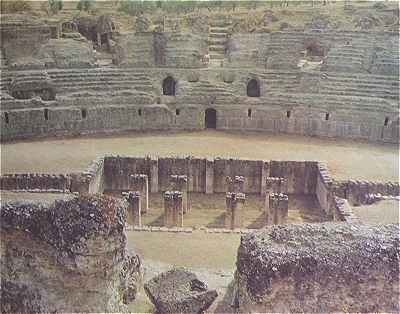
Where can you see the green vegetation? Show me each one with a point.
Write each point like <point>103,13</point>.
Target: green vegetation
<point>86,5</point>
<point>134,7</point>
<point>55,6</point>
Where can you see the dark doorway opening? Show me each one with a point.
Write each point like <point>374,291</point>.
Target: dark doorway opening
<point>253,88</point>
<point>169,86</point>
<point>211,118</point>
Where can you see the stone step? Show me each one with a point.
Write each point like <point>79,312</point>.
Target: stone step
<point>104,85</point>
<point>343,59</point>
<point>217,40</point>
<point>217,56</point>
<point>105,77</point>
<point>362,83</point>
<point>217,35</point>
<point>346,93</point>
<point>354,91</point>
<point>366,77</point>
<point>218,29</point>
<point>89,85</point>
<point>220,49</point>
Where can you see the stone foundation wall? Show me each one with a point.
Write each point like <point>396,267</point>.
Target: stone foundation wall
<point>69,256</point>
<point>319,268</point>
<point>209,176</point>
<point>356,191</point>
<point>34,182</point>
<point>324,190</point>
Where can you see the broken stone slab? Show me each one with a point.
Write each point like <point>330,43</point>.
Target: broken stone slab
<point>179,291</point>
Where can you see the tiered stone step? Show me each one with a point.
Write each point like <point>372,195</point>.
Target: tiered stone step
<point>345,57</point>
<point>183,50</point>
<point>205,88</point>
<point>386,87</point>
<point>284,48</point>
<point>217,39</point>
<point>334,102</point>
<point>5,80</point>
<point>280,81</point>
<point>79,82</point>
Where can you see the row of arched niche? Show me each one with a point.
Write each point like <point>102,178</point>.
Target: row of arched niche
<point>169,87</point>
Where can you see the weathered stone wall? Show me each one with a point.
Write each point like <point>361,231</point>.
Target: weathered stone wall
<point>357,191</point>
<point>69,256</point>
<point>35,182</point>
<point>319,268</point>
<point>160,49</point>
<point>357,101</point>
<point>315,114</point>
<point>324,190</point>
<point>209,176</point>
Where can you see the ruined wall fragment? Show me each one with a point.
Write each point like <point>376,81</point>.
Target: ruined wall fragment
<point>68,256</point>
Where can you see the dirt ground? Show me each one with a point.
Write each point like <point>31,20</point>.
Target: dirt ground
<point>346,159</point>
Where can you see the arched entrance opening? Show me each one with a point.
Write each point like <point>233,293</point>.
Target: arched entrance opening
<point>211,118</point>
<point>169,86</point>
<point>253,88</point>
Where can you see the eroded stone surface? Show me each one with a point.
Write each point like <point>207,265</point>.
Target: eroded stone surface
<point>179,291</point>
<point>319,268</point>
<point>69,256</point>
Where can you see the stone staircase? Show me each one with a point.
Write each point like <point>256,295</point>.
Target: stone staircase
<point>102,82</point>
<point>363,85</point>
<point>219,29</point>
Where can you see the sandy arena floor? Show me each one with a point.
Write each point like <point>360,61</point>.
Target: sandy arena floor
<point>346,159</point>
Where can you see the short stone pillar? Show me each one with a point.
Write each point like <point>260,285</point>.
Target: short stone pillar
<point>235,184</point>
<point>277,212</point>
<point>274,185</point>
<point>153,164</point>
<point>180,183</point>
<point>234,206</point>
<point>173,209</point>
<point>140,182</point>
<point>133,199</point>
<point>209,176</point>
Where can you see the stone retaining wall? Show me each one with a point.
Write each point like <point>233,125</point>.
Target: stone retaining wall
<point>209,175</point>
<point>34,182</point>
<point>356,191</point>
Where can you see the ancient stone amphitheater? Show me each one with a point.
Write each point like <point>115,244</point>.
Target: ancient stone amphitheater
<point>66,235</point>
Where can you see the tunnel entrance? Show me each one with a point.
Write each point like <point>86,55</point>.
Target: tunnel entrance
<point>211,118</point>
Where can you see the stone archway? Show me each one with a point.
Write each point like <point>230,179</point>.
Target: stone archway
<point>210,118</point>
